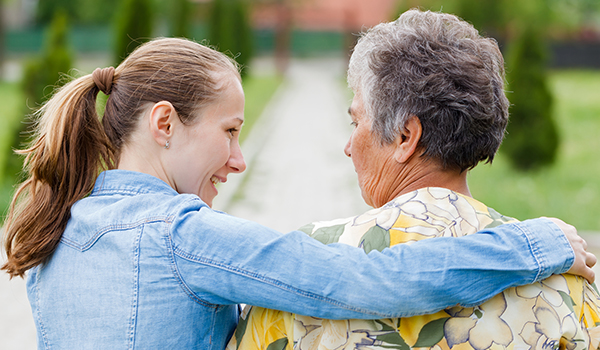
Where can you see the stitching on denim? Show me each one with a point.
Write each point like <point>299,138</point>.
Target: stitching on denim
<point>272,282</point>
<point>566,265</point>
<point>110,192</point>
<point>186,289</point>
<point>534,249</point>
<point>38,310</point>
<point>213,324</point>
<point>102,183</point>
<point>110,228</point>
<point>135,301</point>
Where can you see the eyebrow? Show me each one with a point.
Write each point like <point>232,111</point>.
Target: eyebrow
<point>350,110</point>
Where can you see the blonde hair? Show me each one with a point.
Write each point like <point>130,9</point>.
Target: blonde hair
<point>72,144</point>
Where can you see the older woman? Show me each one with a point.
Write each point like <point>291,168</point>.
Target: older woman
<point>429,105</point>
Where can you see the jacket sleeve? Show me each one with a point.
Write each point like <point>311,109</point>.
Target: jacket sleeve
<point>227,260</point>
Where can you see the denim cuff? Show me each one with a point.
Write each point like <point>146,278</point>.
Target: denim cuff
<point>549,246</point>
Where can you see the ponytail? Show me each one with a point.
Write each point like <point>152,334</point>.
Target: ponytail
<point>72,146</point>
<point>62,163</point>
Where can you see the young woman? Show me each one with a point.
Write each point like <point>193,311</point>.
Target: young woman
<point>134,257</point>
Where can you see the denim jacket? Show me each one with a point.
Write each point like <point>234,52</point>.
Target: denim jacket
<point>140,266</point>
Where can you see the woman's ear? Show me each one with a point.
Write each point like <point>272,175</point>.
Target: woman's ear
<point>408,140</point>
<point>162,119</point>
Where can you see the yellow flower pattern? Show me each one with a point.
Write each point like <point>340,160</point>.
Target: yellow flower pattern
<point>561,312</point>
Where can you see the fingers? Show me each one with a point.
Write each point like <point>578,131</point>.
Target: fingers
<point>584,261</point>
<point>591,260</point>
<point>589,275</point>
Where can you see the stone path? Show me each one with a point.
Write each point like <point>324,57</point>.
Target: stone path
<point>17,331</point>
<point>297,170</point>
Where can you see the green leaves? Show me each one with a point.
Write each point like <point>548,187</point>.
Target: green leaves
<point>278,344</point>
<point>567,299</point>
<point>431,333</point>
<point>240,330</point>
<point>375,238</point>
<point>328,235</point>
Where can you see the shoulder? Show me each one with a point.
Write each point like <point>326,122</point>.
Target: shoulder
<point>425,213</point>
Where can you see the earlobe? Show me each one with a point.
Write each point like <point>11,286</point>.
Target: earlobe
<point>162,116</point>
<point>407,142</point>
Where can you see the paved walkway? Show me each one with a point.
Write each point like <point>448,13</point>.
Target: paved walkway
<point>297,171</point>
<point>17,331</point>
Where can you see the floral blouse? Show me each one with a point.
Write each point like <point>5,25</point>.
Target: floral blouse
<point>561,312</point>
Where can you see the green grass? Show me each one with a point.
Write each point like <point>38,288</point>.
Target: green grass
<point>570,189</point>
<point>258,91</point>
<point>11,100</point>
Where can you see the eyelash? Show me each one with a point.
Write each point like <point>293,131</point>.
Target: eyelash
<point>354,124</point>
<point>232,131</point>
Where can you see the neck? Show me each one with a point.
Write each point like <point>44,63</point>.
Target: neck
<point>420,173</point>
<point>141,157</point>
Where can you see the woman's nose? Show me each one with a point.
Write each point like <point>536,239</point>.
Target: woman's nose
<point>236,160</point>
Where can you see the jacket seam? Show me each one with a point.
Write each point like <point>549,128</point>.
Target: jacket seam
<point>136,279</point>
<point>273,282</point>
<point>38,311</point>
<point>117,227</point>
<point>185,288</point>
<point>534,251</point>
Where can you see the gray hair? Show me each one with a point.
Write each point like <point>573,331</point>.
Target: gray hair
<point>438,68</point>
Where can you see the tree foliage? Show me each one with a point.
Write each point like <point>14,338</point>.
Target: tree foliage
<point>86,12</point>
<point>230,31</point>
<point>2,39</point>
<point>46,10</point>
<point>532,140</point>
<point>42,75</point>
<point>133,26</point>
<point>181,16</point>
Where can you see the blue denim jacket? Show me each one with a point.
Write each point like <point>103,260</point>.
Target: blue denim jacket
<point>141,266</point>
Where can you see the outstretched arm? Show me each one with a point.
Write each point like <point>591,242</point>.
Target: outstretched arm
<point>235,261</point>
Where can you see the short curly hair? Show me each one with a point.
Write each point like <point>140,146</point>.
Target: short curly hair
<point>438,68</point>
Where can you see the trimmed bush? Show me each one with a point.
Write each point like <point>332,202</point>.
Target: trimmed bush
<point>133,27</point>
<point>46,10</point>
<point>181,15</point>
<point>230,31</point>
<point>532,138</point>
<point>41,76</point>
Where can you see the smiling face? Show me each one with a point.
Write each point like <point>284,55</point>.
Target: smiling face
<point>205,152</point>
<point>374,163</point>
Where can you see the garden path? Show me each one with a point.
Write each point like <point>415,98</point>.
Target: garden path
<point>297,170</point>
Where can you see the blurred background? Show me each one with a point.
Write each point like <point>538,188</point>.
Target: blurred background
<point>548,165</point>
